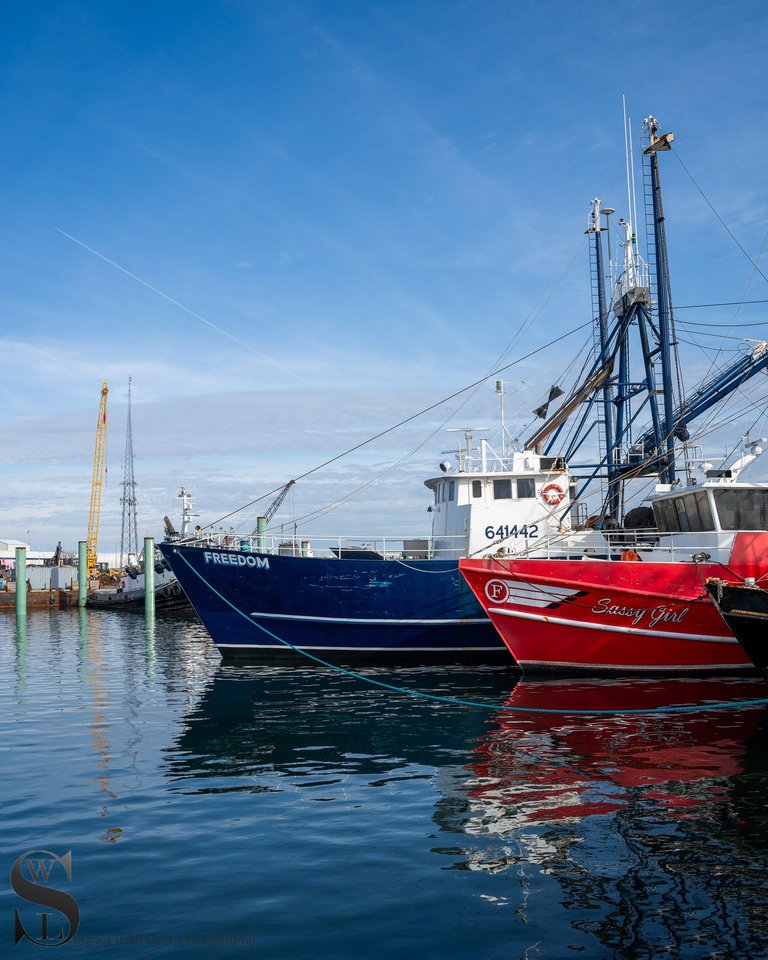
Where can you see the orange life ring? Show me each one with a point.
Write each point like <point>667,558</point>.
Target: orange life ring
<point>552,494</point>
<point>630,555</point>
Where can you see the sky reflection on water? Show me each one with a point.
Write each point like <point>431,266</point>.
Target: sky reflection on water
<point>299,809</point>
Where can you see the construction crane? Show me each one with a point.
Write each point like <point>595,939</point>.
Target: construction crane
<point>99,454</point>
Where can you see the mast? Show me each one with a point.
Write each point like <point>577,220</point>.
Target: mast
<point>664,296</point>
<point>596,213</point>
<point>186,511</point>
<point>625,385</point>
<point>129,538</point>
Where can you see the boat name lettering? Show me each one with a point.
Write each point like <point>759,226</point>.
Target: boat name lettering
<point>606,605</point>
<point>237,560</point>
<point>660,614</point>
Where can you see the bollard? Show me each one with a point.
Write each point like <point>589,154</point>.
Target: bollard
<point>21,581</point>
<point>149,576</point>
<point>82,572</point>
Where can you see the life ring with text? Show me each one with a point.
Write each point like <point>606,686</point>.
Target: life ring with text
<point>552,494</point>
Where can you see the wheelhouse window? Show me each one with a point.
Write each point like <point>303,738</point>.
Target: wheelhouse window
<point>526,489</point>
<point>699,512</point>
<point>477,488</point>
<point>666,516</point>
<point>688,514</point>
<point>502,489</point>
<point>451,489</point>
<point>742,509</point>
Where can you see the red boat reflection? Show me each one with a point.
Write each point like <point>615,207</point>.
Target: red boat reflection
<point>563,766</point>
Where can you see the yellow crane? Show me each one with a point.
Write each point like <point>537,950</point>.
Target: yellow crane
<point>99,454</point>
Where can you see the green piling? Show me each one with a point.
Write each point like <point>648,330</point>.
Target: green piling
<point>149,576</point>
<point>21,581</point>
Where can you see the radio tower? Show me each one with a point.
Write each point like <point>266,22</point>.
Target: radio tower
<point>129,538</point>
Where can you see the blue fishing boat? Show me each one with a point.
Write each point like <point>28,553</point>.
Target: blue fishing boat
<point>379,597</point>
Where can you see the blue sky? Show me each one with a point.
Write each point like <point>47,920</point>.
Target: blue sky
<point>355,207</point>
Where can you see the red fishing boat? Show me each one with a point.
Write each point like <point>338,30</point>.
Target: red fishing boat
<point>620,616</point>
<point>625,591</point>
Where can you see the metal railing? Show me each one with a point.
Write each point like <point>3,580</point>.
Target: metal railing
<point>649,545</point>
<point>382,546</point>
<point>568,545</point>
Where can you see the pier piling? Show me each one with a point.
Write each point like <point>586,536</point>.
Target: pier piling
<point>21,581</point>
<point>149,576</point>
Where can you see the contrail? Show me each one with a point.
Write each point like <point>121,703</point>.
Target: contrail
<point>165,296</point>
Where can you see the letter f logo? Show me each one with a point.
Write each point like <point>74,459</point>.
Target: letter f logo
<point>497,591</point>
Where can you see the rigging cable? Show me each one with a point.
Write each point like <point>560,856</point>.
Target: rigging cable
<point>414,416</point>
<point>535,312</point>
<point>725,225</point>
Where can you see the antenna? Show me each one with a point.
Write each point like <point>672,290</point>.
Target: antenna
<point>632,269</point>
<point>500,391</point>
<point>627,160</point>
<point>468,434</point>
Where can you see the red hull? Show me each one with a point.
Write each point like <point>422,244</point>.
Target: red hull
<point>603,615</point>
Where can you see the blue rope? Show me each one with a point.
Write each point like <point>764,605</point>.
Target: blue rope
<point>689,708</point>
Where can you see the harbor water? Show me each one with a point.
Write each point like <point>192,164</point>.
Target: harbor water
<point>292,811</point>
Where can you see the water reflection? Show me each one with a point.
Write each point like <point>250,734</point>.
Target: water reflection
<point>541,767</point>
<point>655,822</point>
<point>260,720</point>
<point>653,825</point>
<point>20,651</point>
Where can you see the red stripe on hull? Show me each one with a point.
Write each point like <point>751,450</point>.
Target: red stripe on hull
<point>606,615</point>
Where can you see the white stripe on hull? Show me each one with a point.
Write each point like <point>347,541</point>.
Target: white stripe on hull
<point>630,668</point>
<point>524,594</point>
<point>370,623</point>
<point>496,648</point>
<point>610,628</point>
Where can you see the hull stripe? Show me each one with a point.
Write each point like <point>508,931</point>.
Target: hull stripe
<point>632,668</point>
<point>370,622</point>
<point>609,628</point>
<point>390,649</point>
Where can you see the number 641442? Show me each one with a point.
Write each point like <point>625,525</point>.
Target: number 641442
<point>528,530</point>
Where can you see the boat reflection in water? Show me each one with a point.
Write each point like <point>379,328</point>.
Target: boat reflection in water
<point>654,824</point>
<point>610,834</point>
<point>266,720</point>
<point>560,766</point>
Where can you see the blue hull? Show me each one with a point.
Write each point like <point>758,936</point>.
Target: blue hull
<point>255,604</point>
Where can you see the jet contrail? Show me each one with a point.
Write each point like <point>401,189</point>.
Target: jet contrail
<point>176,303</point>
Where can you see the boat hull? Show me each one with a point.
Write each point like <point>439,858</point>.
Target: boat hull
<point>603,616</point>
<point>745,611</point>
<point>168,596</point>
<point>256,605</point>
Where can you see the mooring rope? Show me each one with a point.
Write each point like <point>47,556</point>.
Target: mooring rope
<point>453,701</point>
